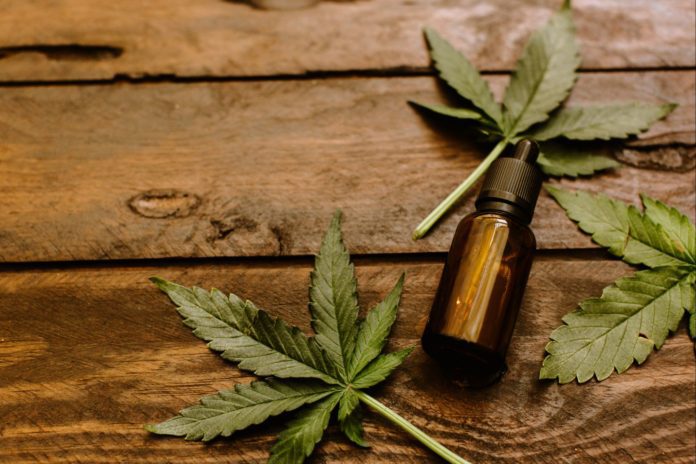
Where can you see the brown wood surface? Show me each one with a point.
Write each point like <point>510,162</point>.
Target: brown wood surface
<point>257,168</point>
<point>73,39</point>
<point>90,354</point>
<point>211,130</point>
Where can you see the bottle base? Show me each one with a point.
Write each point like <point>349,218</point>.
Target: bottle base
<point>466,363</point>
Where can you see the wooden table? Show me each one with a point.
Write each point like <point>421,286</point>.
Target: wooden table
<point>209,143</point>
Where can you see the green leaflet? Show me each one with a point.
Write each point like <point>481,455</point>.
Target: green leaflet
<point>349,401</point>
<point>333,299</point>
<point>606,219</point>
<point>558,160</point>
<point>350,417</point>
<point>610,333</point>
<point>544,76</point>
<point>374,330</point>
<point>294,343</point>
<point>322,367</point>
<point>353,429</point>
<point>462,76</point>
<point>239,407</point>
<point>675,224</point>
<point>459,113</point>
<point>258,342</point>
<point>297,441</point>
<point>622,229</point>
<point>649,244</point>
<point>380,368</point>
<point>601,122</point>
<point>230,310</point>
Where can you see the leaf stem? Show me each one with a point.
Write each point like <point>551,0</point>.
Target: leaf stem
<point>411,429</point>
<point>457,193</point>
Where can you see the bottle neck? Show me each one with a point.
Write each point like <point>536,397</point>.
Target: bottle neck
<point>511,209</point>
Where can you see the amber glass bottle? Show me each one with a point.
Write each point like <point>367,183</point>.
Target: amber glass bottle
<point>481,288</point>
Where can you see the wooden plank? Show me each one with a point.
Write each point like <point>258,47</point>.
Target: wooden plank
<point>257,168</point>
<point>91,354</point>
<point>71,39</point>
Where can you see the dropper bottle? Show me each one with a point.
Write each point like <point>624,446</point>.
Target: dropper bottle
<point>481,288</point>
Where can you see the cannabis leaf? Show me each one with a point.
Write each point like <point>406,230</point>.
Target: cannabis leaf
<point>312,374</point>
<point>637,313</point>
<point>544,76</point>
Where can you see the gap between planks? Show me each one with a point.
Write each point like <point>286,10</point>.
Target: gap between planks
<point>569,254</point>
<point>399,72</point>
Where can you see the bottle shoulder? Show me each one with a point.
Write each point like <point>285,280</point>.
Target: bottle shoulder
<point>519,231</point>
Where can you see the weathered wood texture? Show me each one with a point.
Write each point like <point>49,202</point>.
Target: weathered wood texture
<point>73,39</point>
<point>257,168</point>
<point>236,167</point>
<point>88,355</point>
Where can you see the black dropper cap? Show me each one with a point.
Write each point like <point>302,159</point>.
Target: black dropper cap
<point>512,183</point>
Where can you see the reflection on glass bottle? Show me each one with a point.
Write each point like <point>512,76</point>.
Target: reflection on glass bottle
<point>480,292</point>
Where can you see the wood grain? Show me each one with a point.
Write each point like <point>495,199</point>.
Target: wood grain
<point>257,168</point>
<point>72,39</point>
<point>237,158</point>
<point>105,352</point>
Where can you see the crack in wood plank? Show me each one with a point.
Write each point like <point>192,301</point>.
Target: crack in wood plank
<point>65,52</point>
